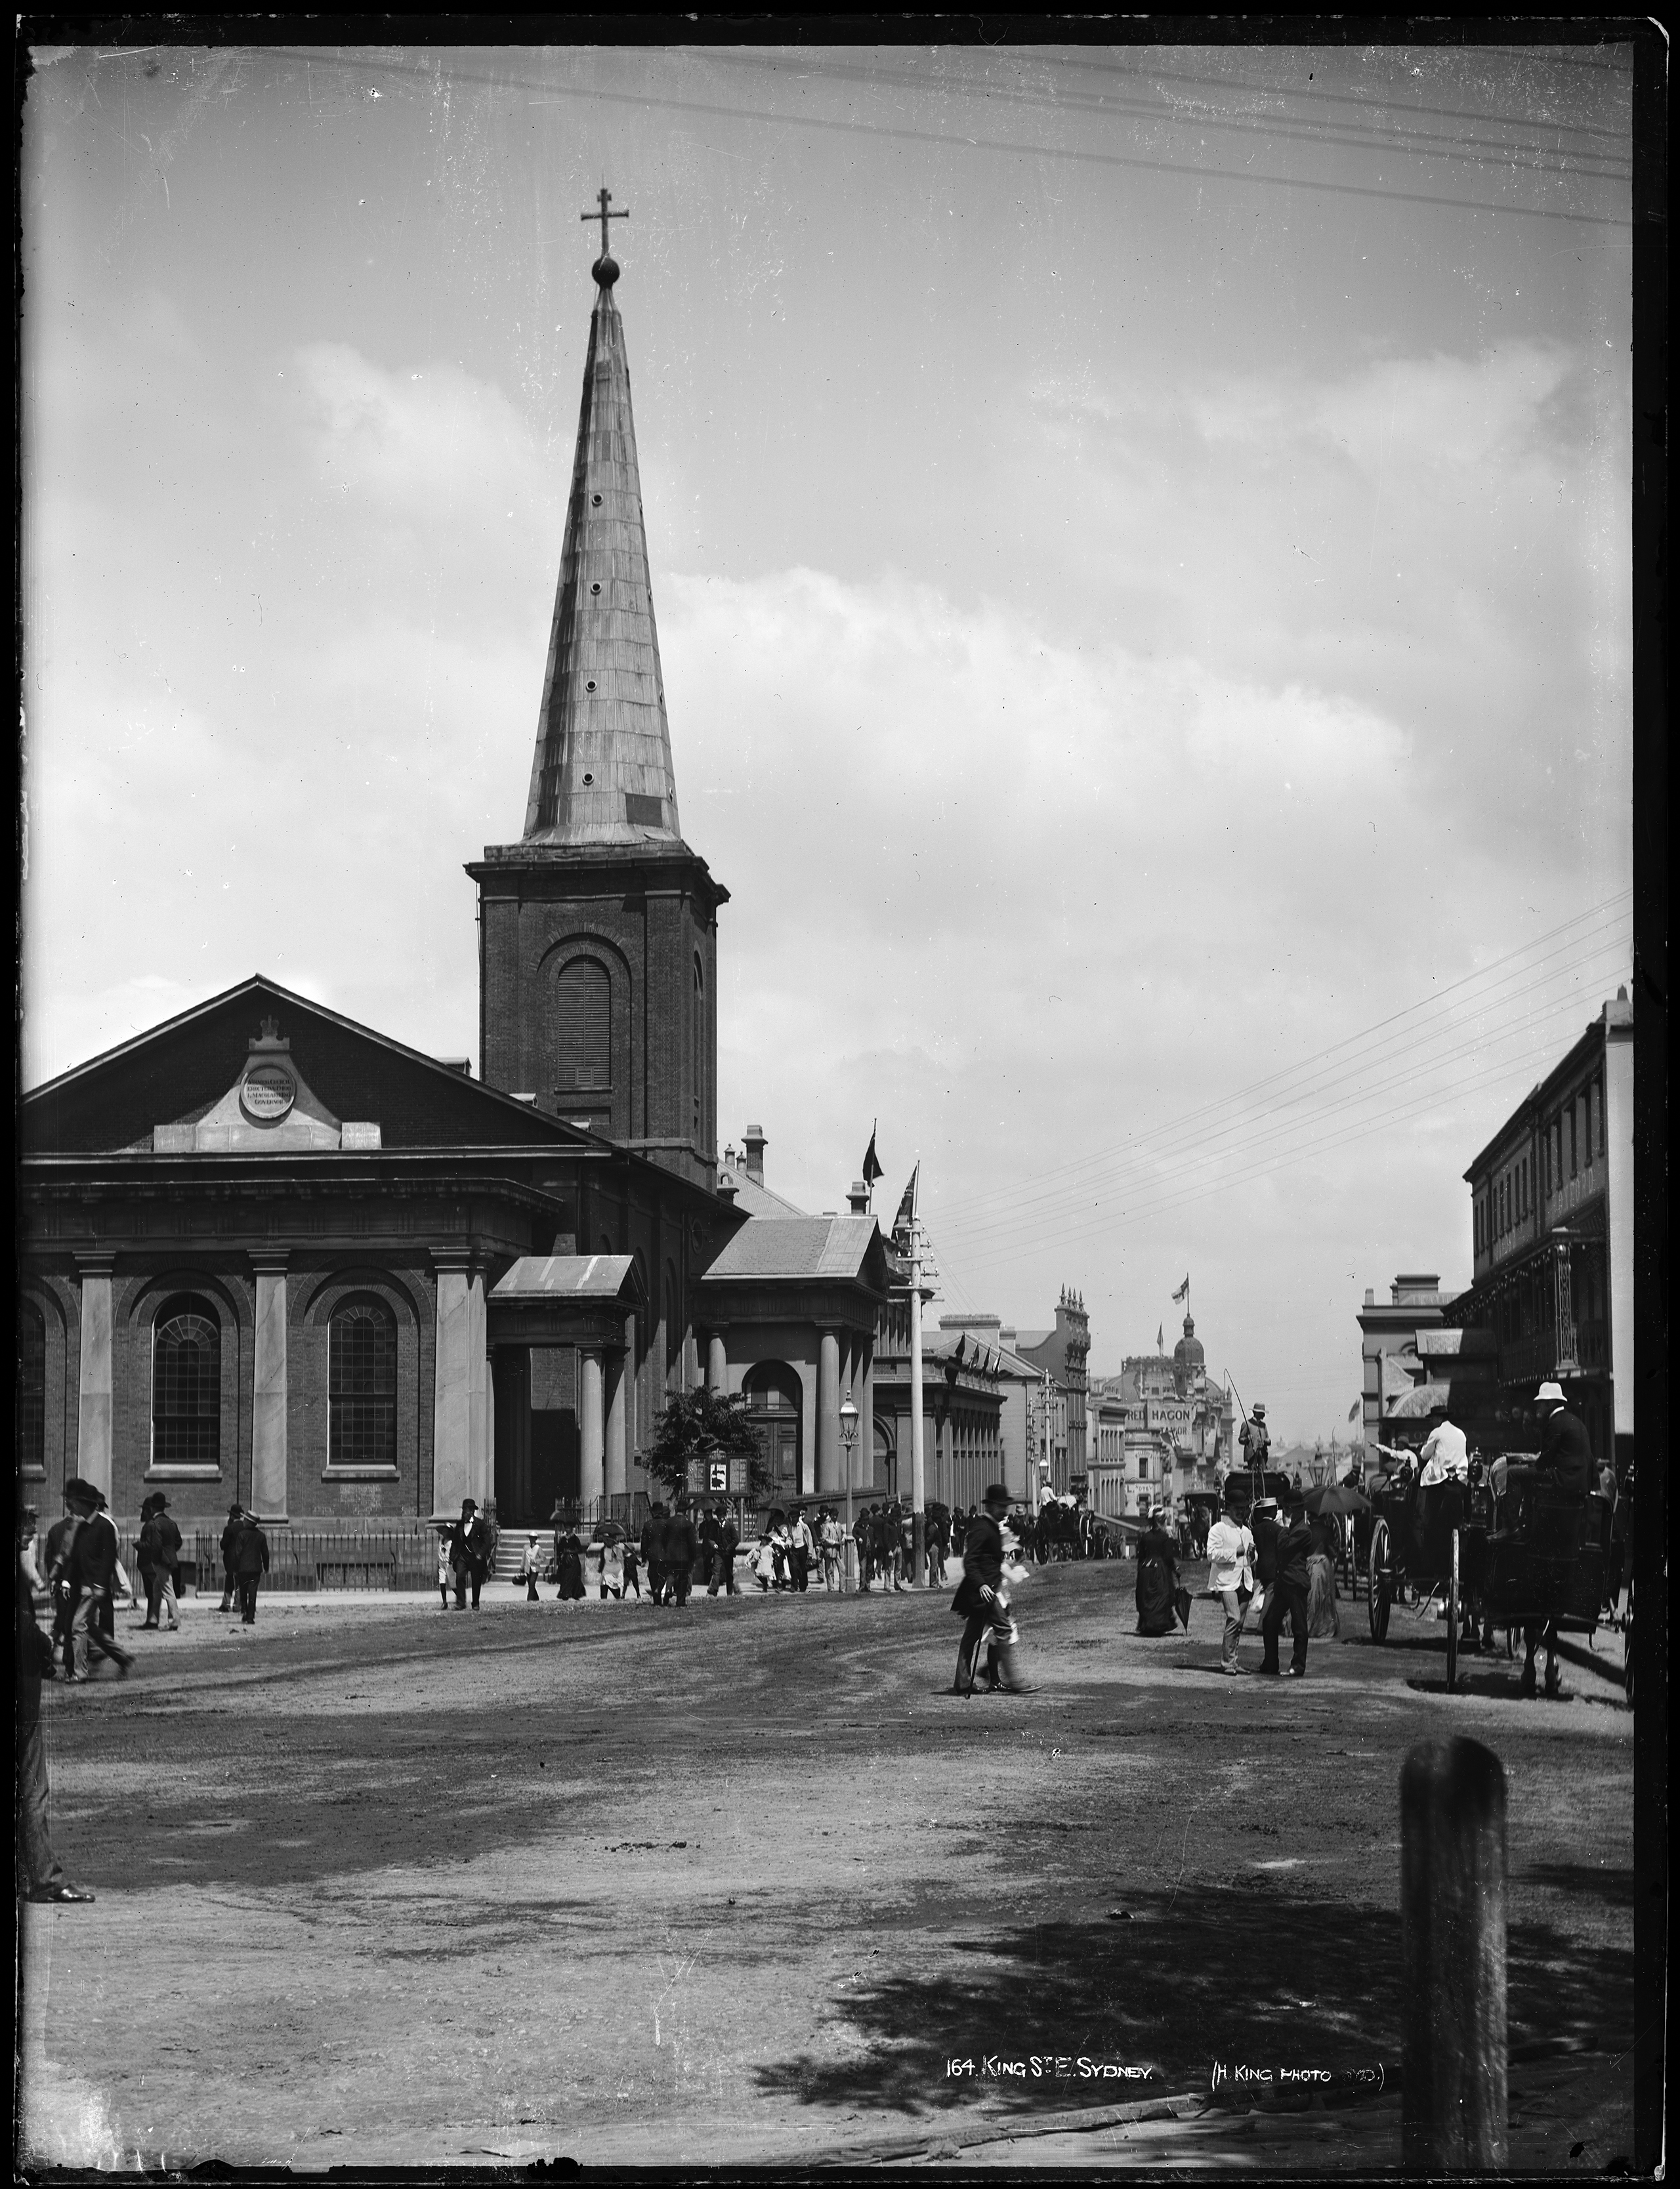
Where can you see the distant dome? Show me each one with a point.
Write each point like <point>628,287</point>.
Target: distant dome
<point>1189,1360</point>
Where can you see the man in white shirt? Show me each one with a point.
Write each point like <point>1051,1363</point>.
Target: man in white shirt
<point>1446,1455</point>
<point>1230,1570</point>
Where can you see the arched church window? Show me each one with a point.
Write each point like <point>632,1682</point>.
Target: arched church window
<point>361,1385</point>
<point>583,1028</point>
<point>32,1388</point>
<point>186,1384</point>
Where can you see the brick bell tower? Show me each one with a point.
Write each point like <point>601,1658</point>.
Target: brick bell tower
<point>597,931</point>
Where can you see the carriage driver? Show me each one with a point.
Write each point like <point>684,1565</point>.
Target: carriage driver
<point>1444,1454</point>
<point>1565,1465</point>
<point>1565,1450</point>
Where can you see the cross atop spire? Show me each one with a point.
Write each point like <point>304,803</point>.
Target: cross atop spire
<point>603,216</point>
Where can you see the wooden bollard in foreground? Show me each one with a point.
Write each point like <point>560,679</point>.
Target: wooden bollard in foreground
<point>1452,1940</point>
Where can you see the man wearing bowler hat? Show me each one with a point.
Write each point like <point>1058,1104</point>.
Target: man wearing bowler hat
<point>88,1561</point>
<point>469,1552</point>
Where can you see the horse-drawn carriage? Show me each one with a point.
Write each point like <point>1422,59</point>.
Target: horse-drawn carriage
<point>1531,1557</point>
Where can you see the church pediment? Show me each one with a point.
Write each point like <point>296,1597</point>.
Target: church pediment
<point>270,1109</point>
<point>217,1079</point>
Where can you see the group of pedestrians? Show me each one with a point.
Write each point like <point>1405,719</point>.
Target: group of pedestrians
<point>1283,1564</point>
<point>886,1538</point>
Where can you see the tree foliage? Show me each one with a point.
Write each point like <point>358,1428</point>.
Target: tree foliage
<point>706,1425</point>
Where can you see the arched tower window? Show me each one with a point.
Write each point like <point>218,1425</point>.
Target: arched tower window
<point>583,1046</point>
<point>361,1385</point>
<point>186,1384</point>
<point>32,1388</point>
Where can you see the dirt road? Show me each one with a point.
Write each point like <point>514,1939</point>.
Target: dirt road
<point>381,1884</point>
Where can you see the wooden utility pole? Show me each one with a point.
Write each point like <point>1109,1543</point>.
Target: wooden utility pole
<point>1453,2113</point>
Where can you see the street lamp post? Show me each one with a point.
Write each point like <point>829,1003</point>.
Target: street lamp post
<point>848,1429</point>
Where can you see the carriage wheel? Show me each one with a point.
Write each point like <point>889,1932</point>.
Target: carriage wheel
<point>1377,1606</point>
<point>1627,1649</point>
<point>1452,1619</point>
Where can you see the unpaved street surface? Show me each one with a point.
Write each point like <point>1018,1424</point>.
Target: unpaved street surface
<point>380,1884</point>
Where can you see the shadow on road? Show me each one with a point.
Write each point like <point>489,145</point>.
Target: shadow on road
<point>1257,1975</point>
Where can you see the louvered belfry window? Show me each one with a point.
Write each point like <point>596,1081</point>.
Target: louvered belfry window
<point>362,1386</point>
<point>186,1386</point>
<point>584,1030</point>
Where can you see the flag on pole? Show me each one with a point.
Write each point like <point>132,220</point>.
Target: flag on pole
<point>906,1218</point>
<point>1183,1291</point>
<point>872,1168</point>
<point>1161,1339</point>
<point>1353,1412</point>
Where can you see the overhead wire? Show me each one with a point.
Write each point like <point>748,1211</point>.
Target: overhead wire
<point>1369,1042</point>
<point>1431,144</point>
<point>1011,1214</point>
<point>1283,1138</point>
<point>552,94</point>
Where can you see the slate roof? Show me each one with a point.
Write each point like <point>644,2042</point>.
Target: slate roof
<point>754,1200</point>
<point>602,772</point>
<point>570,1276</point>
<point>796,1247</point>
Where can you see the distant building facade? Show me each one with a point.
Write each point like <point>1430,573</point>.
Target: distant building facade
<point>1063,1350</point>
<point>1164,1429</point>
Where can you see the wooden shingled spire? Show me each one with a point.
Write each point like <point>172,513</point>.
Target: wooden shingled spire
<point>603,770</point>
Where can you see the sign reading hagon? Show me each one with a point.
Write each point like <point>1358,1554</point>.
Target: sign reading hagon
<point>268,1094</point>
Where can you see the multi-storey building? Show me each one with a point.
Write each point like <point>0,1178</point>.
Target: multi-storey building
<point>1551,1230</point>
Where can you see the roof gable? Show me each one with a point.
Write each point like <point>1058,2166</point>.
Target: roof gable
<point>183,1070</point>
<point>804,1246</point>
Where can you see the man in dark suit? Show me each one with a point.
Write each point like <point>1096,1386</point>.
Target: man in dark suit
<point>980,1601</point>
<point>469,1552</point>
<point>251,1563</point>
<point>653,1550</point>
<point>1565,1450</point>
<point>723,1554</point>
<point>1565,1467</point>
<point>680,1547</point>
<point>229,1539</point>
<point>87,1559</point>
<point>1287,1592</point>
<point>33,1658</point>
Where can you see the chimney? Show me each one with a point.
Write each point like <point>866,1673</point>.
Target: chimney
<point>753,1146</point>
<point>725,1187</point>
<point>857,1197</point>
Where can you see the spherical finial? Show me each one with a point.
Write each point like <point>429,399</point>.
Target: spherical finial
<point>605,270</point>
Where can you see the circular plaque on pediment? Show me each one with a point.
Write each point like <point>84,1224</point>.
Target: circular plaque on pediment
<point>268,1094</point>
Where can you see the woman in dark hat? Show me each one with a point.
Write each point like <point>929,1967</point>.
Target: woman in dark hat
<point>1157,1577</point>
<point>146,1562</point>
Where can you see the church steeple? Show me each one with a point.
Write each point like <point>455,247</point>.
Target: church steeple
<point>602,773</point>
<point>597,931</point>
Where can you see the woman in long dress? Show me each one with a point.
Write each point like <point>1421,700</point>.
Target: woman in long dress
<point>1323,1619</point>
<point>1157,1578</point>
<point>571,1570</point>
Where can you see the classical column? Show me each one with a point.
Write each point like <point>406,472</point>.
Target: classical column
<point>268,1492</point>
<point>717,1363</point>
<point>455,1401</point>
<point>865,1400</point>
<point>94,1415</point>
<point>827,1414</point>
<point>632,1399</point>
<point>617,1467</point>
<point>481,1398</point>
<point>592,1469</point>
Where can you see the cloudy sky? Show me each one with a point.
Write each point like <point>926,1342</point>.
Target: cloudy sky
<point>1140,542</point>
